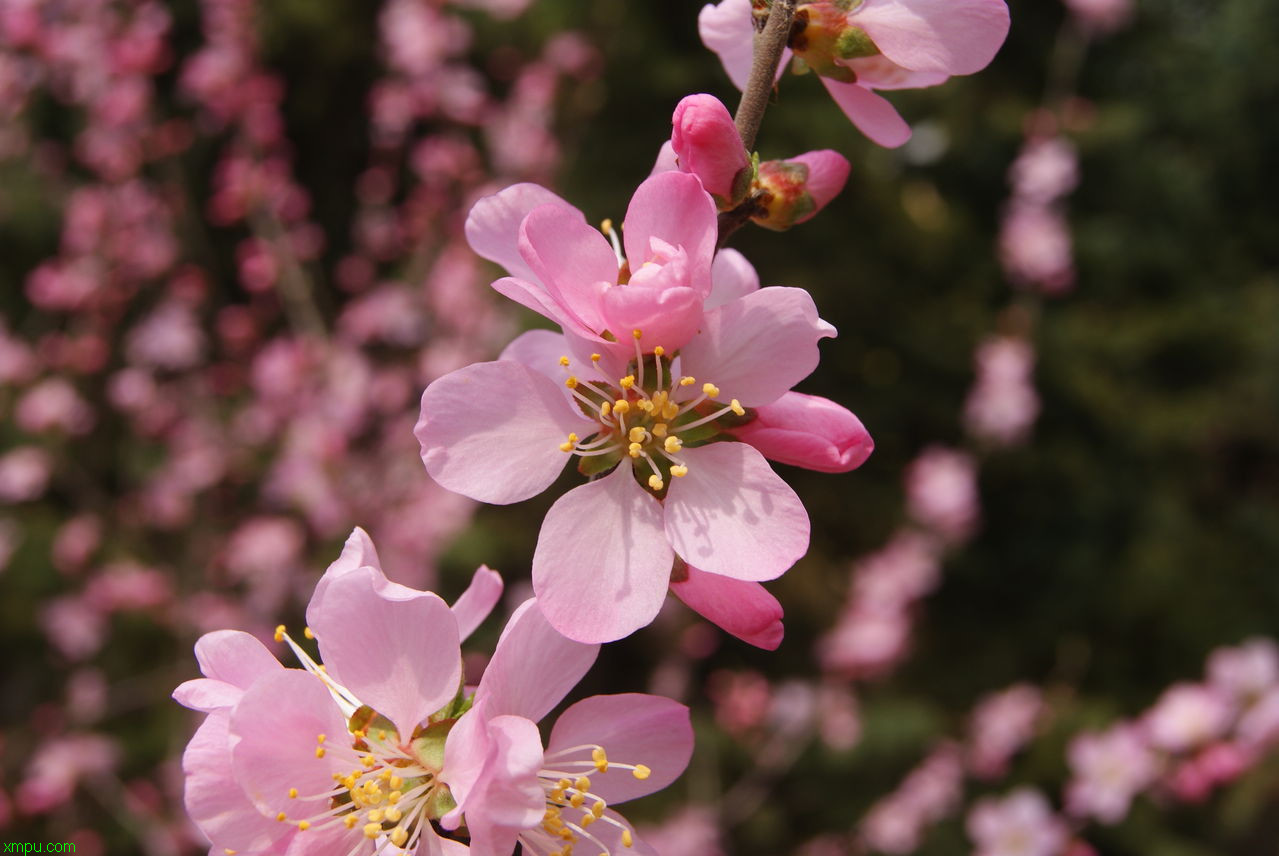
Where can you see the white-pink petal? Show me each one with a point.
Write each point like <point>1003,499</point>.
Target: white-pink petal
<point>234,657</point>
<point>474,604</point>
<point>728,29</point>
<point>733,515</point>
<point>574,260</point>
<point>732,277</point>
<point>951,36</point>
<point>871,113</point>
<point>533,667</point>
<point>491,431</point>
<point>602,562</point>
<point>493,226</point>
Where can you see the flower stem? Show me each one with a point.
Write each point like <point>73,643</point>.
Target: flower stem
<point>769,45</point>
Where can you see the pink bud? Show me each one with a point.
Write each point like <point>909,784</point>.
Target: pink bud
<point>809,431</point>
<point>708,145</point>
<point>800,187</point>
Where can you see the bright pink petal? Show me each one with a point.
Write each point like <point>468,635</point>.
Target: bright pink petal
<point>732,276</point>
<point>493,226</point>
<point>666,159</point>
<point>394,648</point>
<point>491,431</point>
<point>234,657</point>
<point>809,431</point>
<point>632,728</point>
<point>951,36</point>
<point>707,143</point>
<point>827,174</point>
<point>602,563</point>
<point>573,259</point>
<point>674,208</point>
<point>666,316</point>
<point>756,348</point>
<point>474,604</point>
<point>533,667</point>
<point>275,730</point>
<point>732,515</point>
<point>215,801</point>
<point>508,797</point>
<point>744,609</point>
<point>728,29</point>
<point>535,297</point>
<point>872,114</point>
<point>207,695</point>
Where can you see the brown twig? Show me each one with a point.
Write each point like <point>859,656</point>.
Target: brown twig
<point>769,45</point>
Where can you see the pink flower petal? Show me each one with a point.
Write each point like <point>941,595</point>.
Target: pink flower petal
<point>573,259</point>
<point>493,226</point>
<point>744,609</point>
<point>673,207</point>
<point>474,604</point>
<point>508,797</point>
<point>951,36</point>
<point>756,348</point>
<point>666,316</point>
<point>707,143</point>
<point>632,728</point>
<point>358,552</point>
<point>274,731</point>
<point>732,276</point>
<point>809,431</point>
<point>881,73</point>
<point>533,667</point>
<point>535,297</point>
<point>465,751</point>
<point>732,515</point>
<point>207,695</point>
<point>666,159</point>
<point>601,564</point>
<point>213,799</point>
<point>827,174</point>
<point>395,648</point>
<point>539,350</point>
<point>728,29</point>
<point>872,114</point>
<point>491,431</point>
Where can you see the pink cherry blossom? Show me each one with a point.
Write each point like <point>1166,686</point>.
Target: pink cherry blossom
<point>941,489</point>
<point>1002,723</point>
<point>1003,404</point>
<point>1246,672</point>
<point>929,793</point>
<point>341,758</point>
<point>1187,716</point>
<point>1108,769</point>
<point>799,187</point>
<point>1101,16</point>
<point>1020,824</point>
<point>602,750</point>
<point>706,143</point>
<point>862,47</point>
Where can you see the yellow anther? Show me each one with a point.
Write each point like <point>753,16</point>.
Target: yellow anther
<point>645,405</point>
<point>587,820</point>
<point>279,633</point>
<point>566,447</point>
<point>562,784</point>
<point>350,821</point>
<point>381,732</point>
<point>673,444</point>
<point>655,482</point>
<point>598,808</point>
<point>576,800</point>
<point>320,738</point>
<point>324,668</point>
<point>687,381</point>
<point>557,794</point>
<point>371,787</point>
<point>605,409</point>
<point>293,793</point>
<point>582,783</point>
<point>637,434</point>
<point>368,760</point>
<point>399,835</point>
<point>395,782</point>
<point>229,852</point>
<point>375,816</point>
<point>308,632</point>
<point>621,406</point>
<point>564,361</point>
<point>737,407</point>
<point>679,471</point>
<point>710,390</point>
<point>570,382</point>
<point>638,334</point>
<point>660,399</point>
<point>304,825</point>
<point>372,830</point>
<point>659,351</point>
<point>635,450</point>
<point>281,817</point>
<point>385,774</point>
<point>319,751</point>
<point>349,782</point>
<point>393,814</point>
<point>627,382</point>
<point>670,411</point>
<point>600,759</point>
<point>595,358</point>
<point>606,226</point>
<point>359,733</point>
<point>393,797</point>
<point>627,839</point>
<point>659,430</point>
<point>641,772</point>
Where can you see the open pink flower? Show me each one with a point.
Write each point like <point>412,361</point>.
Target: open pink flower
<point>340,758</point>
<point>861,47</point>
<point>602,750</point>
<point>662,487</point>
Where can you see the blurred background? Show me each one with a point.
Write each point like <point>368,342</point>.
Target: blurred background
<point>231,259</point>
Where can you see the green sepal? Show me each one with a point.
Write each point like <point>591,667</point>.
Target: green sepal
<point>595,465</point>
<point>366,718</point>
<point>428,747</point>
<point>854,43</point>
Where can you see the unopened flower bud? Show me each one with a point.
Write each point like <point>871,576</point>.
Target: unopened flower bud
<point>808,431</point>
<point>707,144</point>
<point>798,188</point>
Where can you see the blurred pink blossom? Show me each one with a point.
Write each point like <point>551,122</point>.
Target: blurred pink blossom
<point>1046,170</point>
<point>1187,716</point>
<point>941,492</point>
<point>1108,769</point>
<point>54,405</point>
<point>931,792</point>
<point>1246,672</point>
<point>58,765</point>
<point>691,831</point>
<point>1003,404</point>
<point>1101,16</point>
<point>1020,824</point>
<point>1035,248</point>
<point>24,473</point>
<point>1001,724</point>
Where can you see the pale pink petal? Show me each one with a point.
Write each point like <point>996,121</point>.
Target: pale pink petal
<point>535,297</point>
<point>492,431</point>
<point>234,657</point>
<point>732,515</point>
<point>493,226</point>
<point>601,564</point>
<point>394,648</point>
<point>358,552</point>
<point>952,36</point>
<point>674,208</point>
<point>727,29</point>
<point>732,276</point>
<point>809,431</point>
<point>207,695</point>
<point>539,350</point>
<point>508,797</point>
<point>872,114</point>
<point>573,259</point>
<point>632,728</point>
<point>474,604</point>
<point>744,609</point>
<point>213,799</point>
<point>666,159</point>
<point>465,752</point>
<point>756,348</point>
<point>533,667</point>
<point>666,316</point>
<point>881,73</point>
<point>275,730</point>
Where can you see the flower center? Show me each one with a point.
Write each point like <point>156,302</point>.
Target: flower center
<point>648,416</point>
<point>571,807</point>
